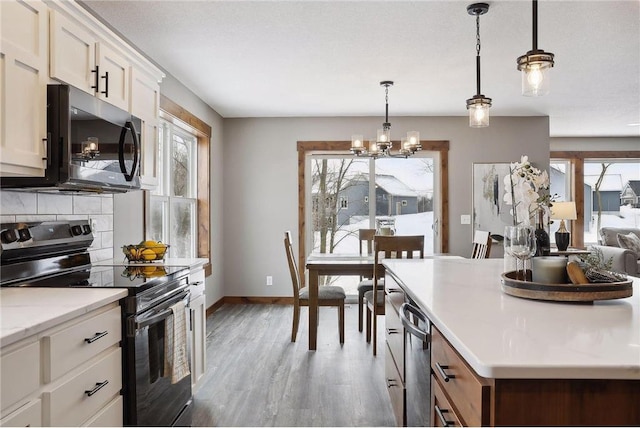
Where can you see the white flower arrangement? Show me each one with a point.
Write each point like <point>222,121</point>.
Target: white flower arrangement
<point>527,194</point>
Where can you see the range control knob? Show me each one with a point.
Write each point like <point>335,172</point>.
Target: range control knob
<point>76,230</point>
<point>86,229</point>
<point>24,234</point>
<point>8,236</point>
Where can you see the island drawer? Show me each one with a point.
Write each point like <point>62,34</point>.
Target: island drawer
<point>29,415</point>
<point>395,386</point>
<point>442,413</point>
<point>394,334</point>
<point>467,392</point>
<point>72,346</point>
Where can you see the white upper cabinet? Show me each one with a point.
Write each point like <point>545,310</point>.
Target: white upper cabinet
<point>78,57</point>
<point>23,87</point>
<point>145,104</point>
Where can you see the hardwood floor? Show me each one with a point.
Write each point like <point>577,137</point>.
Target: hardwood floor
<point>257,377</point>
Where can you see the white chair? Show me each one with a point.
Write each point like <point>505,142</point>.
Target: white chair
<point>481,245</point>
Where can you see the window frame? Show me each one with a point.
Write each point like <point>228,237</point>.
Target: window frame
<point>342,147</point>
<point>576,163</point>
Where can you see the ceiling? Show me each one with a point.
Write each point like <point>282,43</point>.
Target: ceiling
<point>326,58</point>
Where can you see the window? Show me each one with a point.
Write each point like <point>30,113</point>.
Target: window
<point>173,204</point>
<point>327,172</point>
<point>597,182</point>
<point>343,203</point>
<point>189,139</point>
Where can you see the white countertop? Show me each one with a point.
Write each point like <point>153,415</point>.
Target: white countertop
<point>502,336</point>
<point>27,311</point>
<point>191,262</point>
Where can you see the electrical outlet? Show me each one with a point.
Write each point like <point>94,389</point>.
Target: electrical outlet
<point>465,219</point>
<point>269,280</point>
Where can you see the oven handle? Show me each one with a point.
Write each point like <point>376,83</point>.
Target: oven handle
<point>159,316</point>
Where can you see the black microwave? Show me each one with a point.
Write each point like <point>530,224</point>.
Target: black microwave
<point>91,146</point>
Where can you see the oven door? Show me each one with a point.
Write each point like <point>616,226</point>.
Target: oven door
<point>152,398</point>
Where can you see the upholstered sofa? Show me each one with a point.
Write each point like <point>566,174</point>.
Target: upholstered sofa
<point>624,260</point>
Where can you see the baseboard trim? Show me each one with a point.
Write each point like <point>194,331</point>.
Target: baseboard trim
<point>252,300</point>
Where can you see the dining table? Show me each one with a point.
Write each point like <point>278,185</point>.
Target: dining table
<point>322,264</point>
<point>335,265</point>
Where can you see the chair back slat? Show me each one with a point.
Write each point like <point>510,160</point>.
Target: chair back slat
<point>481,245</point>
<point>365,236</point>
<point>293,266</point>
<point>407,247</point>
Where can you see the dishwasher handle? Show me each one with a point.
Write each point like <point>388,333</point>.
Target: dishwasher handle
<point>410,327</point>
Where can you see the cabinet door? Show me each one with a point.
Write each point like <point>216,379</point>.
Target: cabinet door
<point>198,348</point>
<point>113,82</point>
<point>72,53</point>
<point>144,103</point>
<point>23,87</point>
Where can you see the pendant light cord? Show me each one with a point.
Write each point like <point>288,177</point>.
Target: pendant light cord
<point>535,25</point>
<point>478,54</point>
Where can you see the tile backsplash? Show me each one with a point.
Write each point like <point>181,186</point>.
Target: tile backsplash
<point>18,206</point>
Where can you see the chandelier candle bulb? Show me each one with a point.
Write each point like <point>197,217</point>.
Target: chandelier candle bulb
<point>356,141</point>
<point>549,270</point>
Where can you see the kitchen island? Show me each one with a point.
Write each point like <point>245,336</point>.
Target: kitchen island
<point>503,360</point>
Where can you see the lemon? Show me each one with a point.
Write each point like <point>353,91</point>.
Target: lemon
<point>149,244</point>
<point>148,254</point>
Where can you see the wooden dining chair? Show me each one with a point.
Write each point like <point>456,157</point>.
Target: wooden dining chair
<point>365,237</point>
<point>481,245</point>
<point>407,247</point>
<point>327,296</point>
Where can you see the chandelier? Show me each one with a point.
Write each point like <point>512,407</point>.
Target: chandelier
<point>478,105</point>
<point>381,146</point>
<point>535,64</point>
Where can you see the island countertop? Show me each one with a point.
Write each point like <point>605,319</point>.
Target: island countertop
<point>501,336</point>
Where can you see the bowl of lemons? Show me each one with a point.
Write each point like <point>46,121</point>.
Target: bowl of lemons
<point>146,251</point>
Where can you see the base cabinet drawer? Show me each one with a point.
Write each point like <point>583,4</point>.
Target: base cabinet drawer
<point>396,389</point>
<point>76,400</point>
<point>29,415</point>
<point>110,416</point>
<point>442,413</point>
<point>80,342</point>
<point>468,392</point>
<point>20,371</point>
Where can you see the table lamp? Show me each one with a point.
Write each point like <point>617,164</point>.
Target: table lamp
<point>563,211</point>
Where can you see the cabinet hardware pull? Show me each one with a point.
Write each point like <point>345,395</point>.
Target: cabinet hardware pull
<point>441,370</point>
<point>97,80</point>
<point>192,314</point>
<point>97,336</point>
<point>106,84</point>
<point>45,143</point>
<point>98,387</point>
<point>391,383</point>
<point>392,331</point>
<point>394,290</point>
<point>440,413</point>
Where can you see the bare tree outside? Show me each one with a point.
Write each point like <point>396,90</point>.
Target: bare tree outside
<point>598,195</point>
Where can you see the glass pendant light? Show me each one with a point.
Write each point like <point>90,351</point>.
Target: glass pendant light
<point>535,65</point>
<point>478,105</point>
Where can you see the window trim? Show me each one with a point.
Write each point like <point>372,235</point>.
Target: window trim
<point>576,163</point>
<point>177,115</point>
<point>303,147</point>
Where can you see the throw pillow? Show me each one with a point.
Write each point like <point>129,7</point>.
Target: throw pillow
<point>630,242</point>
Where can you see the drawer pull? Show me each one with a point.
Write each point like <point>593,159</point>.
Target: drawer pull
<point>391,383</point>
<point>394,290</point>
<point>392,331</point>
<point>98,387</point>
<point>97,336</point>
<point>441,370</point>
<point>443,420</point>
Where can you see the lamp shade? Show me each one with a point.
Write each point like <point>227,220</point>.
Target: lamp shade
<point>564,211</point>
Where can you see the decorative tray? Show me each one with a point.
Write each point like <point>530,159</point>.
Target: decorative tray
<point>565,292</point>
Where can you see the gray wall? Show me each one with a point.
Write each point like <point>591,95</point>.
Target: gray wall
<point>261,187</point>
